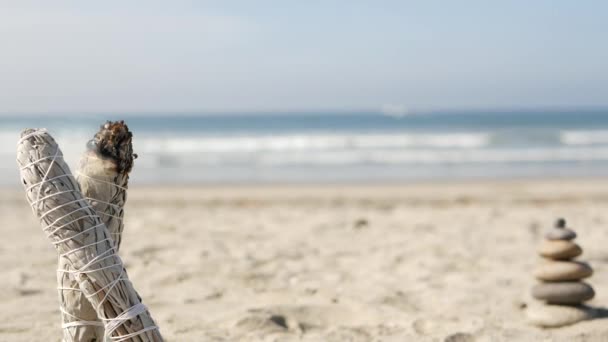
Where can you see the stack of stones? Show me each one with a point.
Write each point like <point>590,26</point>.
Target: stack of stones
<point>560,290</point>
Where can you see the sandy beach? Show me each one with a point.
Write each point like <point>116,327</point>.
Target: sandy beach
<point>419,262</point>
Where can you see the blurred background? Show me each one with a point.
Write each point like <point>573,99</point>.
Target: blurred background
<point>289,91</point>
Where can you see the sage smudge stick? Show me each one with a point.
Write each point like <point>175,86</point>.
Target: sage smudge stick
<point>81,237</point>
<point>103,176</point>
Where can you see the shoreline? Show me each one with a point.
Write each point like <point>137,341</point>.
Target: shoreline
<point>566,180</point>
<point>520,192</point>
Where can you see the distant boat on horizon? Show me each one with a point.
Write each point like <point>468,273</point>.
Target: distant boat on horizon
<point>395,110</point>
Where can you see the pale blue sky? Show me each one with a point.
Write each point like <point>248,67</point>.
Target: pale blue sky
<point>75,56</point>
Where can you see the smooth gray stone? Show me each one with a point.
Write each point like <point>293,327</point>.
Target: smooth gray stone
<point>560,234</point>
<point>563,293</point>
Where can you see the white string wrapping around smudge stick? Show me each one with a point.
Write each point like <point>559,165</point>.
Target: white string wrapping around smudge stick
<point>77,313</point>
<point>80,236</point>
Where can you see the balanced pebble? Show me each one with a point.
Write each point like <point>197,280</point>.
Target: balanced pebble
<point>559,249</point>
<point>560,223</point>
<point>563,270</point>
<point>560,234</point>
<point>563,293</point>
<point>553,316</point>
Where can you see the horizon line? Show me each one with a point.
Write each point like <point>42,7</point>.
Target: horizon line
<point>379,111</point>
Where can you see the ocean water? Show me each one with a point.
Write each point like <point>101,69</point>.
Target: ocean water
<point>338,147</point>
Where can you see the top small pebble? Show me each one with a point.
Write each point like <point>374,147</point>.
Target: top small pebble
<point>560,232</point>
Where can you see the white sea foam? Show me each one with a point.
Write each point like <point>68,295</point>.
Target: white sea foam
<point>590,137</point>
<point>384,156</point>
<point>307,142</point>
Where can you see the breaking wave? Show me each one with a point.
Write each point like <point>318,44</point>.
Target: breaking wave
<point>386,156</point>
<point>578,138</point>
<point>310,142</point>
